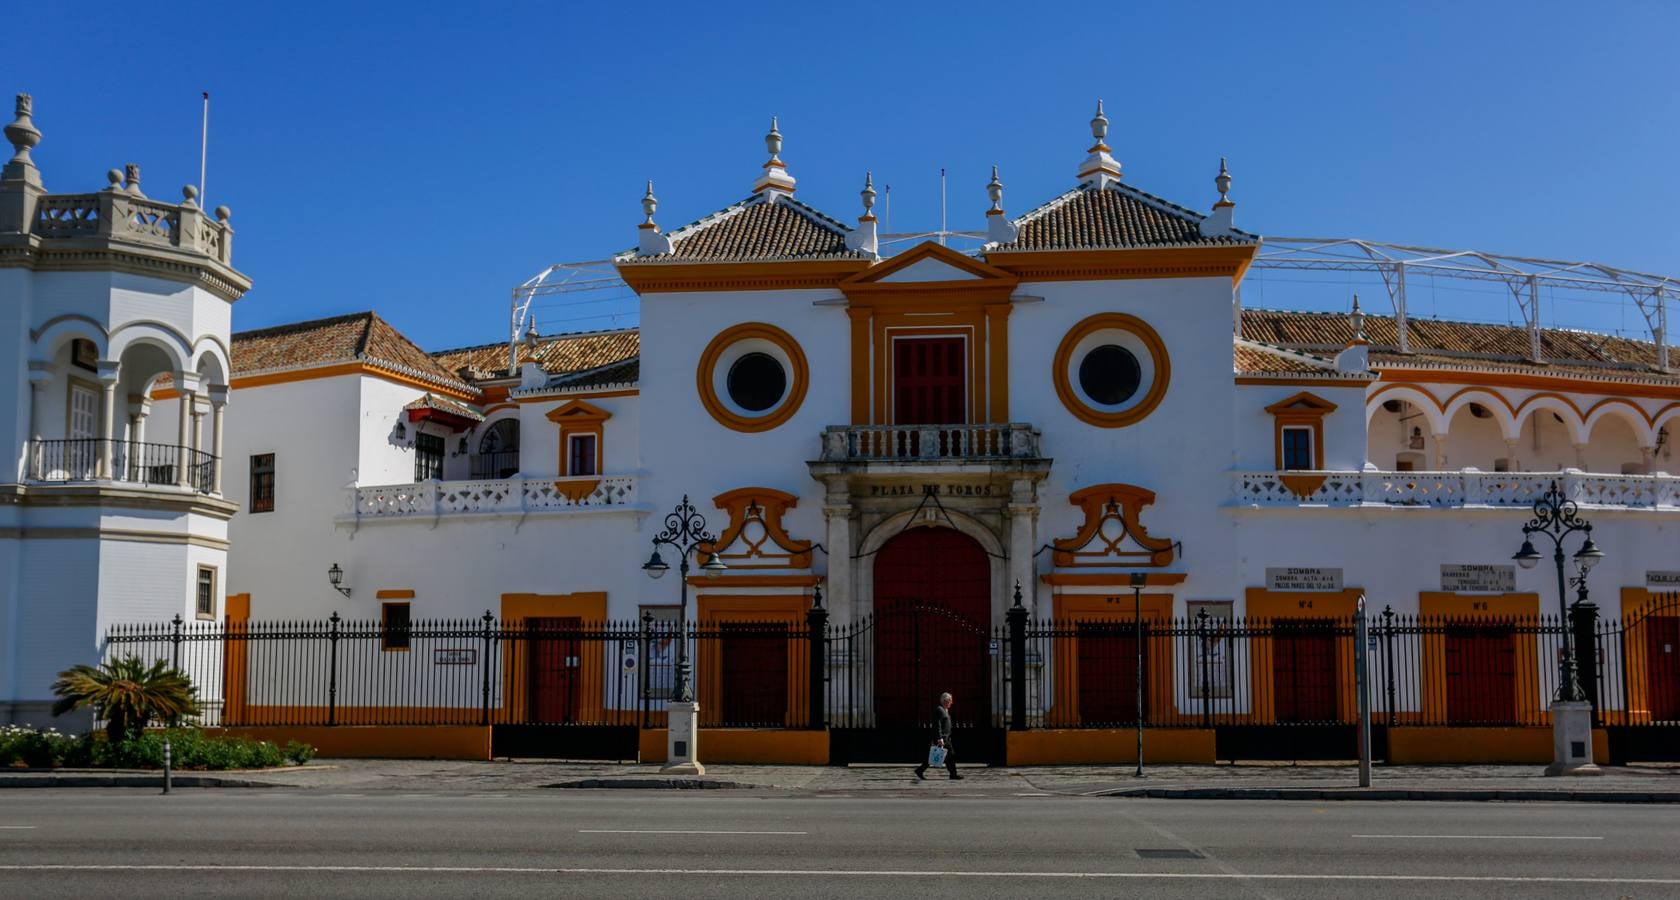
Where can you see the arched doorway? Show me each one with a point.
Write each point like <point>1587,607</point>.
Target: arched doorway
<point>932,624</point>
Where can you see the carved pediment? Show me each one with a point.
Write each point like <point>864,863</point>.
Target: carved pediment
<point>756,537</point>
<point>1112,534</point>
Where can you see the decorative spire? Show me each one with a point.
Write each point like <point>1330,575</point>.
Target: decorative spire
<point>24,136</point>
<point>999,230</point>
<point>775,177</point>
<point>868,195</point>
<point>1357,320</point>
<point>865,237</point>
<point>1222,182</point>
<point>649,204</point>
<point>1100,168</point>
<point>994,190</point>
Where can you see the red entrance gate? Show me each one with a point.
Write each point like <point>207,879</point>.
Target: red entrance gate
<point>1304,682</point>
<point>1481,675</point>
<point>556,651</point>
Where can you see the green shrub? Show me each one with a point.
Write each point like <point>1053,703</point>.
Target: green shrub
<point>189,748</point>
<point>21,745</point>
<point>299,752</point>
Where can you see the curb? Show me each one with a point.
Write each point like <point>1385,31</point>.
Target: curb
<point>1444,795</point>
<point>656,784</point>
<point>134,781</point>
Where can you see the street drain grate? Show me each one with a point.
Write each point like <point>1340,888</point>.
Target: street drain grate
<point>1167,854</point>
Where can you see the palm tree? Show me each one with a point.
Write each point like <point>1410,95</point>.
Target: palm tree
<point>127,694</point>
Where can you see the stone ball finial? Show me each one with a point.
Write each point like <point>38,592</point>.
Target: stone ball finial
<point>22,131</point>
<point>868,193</point>
<point>189,195</point>
<point>223,214</point>
<point>1099,124</point>
<point>773,140</point>
<point>994,189</point>
<point>114,176</point>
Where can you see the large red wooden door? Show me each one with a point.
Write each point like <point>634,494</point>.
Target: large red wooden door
<point>929,387</point>
<point>1108,673</point>
<point>931,628</point>
<point>1304,670</point>
<point>555,653</point>
<point>1662,663</point>
<point>1481,672</point>
<point>754,690</point>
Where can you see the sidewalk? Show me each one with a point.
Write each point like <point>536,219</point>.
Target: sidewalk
<point>1248,781</point>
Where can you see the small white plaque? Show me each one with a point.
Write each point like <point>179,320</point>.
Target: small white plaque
<point>1473,577</point>
<point>1303,578</point>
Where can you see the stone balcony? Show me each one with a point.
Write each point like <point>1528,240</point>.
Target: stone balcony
<point>433,501</point>
<point>1452,489</point>
<point>929,443</point>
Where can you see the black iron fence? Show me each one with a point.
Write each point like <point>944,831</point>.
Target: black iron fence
<point>885,671</point>
<point>135,462</point>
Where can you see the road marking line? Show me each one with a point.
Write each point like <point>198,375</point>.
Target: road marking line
<point>1482,837</point>
<point>830,873</point>
<point>17,828</point>
<point>674,831</point>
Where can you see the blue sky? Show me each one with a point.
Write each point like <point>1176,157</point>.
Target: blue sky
<point>422,159</point>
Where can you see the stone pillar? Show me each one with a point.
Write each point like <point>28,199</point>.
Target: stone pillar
<point>218,402</point>
<point>1581,456</point>
<point>1023,515</point>
<point>1440,452</point>
<point>1645,459</point>
<point>837,509</point>
<point>40,375</point>
<point>107,419</point>
<point>187,384</point>
<point>1511,455</point>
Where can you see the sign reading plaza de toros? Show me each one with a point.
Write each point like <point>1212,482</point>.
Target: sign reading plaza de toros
<point>1477,577</point>
<point>937,490</point>
<point>1303,578</point>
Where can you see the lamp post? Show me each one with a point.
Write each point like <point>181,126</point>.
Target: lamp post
<point>685,532</point>
<point>1139,579</point>
<point>1557,518</point>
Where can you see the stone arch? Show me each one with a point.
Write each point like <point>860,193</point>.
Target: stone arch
<point>1557,403</point>
<point>890,527</point>
<point>1643,431</point>
<point>1497,405</point>
<point>173,343</point>
<point>1667,415</point>
<point>1423,400</point>
<point>211,347</point>
<point>59,330</point>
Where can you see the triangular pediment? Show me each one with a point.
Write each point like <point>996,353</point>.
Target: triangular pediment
<point>928,262</point>
<point>578,411</point>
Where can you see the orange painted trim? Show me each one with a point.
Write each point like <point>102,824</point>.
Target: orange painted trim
<point>1110,746</point>
<point>1101,502</point>
<point>652,278</point>
<point>1301,410</point>
<point>498,407</point>
<point>1111,579</point>
<point>590,608</point>
<point>1074,610</point>
<point>861,329</point>
<point>1639,605</point>
<point>981,270</point>
<point>1157,353</point>
<point>745,746</point>
<point>997,354</point>
<point>239,382</point>
<point>394,594</point>
<point>1095,265</point>
<point>1536,382</point>
<point>1472,607</point>
<point>799,378</point>
<point>1415,745</point>
<point>716,611</point>
<point>1266,606</point>
<point>1304,381</point>
<point>1474,389</point>
<point>236,659</point>
<point>577,418</point>
<point>890,327</point>
<point>744,581</point>
<point>770,505</point>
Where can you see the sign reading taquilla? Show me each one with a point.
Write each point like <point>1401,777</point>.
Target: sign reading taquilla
<point>1303,578</point>
<point>1478,577</point>
<point>1664,580</point>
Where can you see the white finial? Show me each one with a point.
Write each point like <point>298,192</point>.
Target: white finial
<point>773,141</point>
<point>24,136</point>
<point>999,230</point>
<point>775,177</point>
<point>1357,319</point>
<point>1099,168</point>
<point>1099,125</point>
<point>649,204</point>
<point>994,190</point>
<point>1222,182</point>
<point>868,195</point>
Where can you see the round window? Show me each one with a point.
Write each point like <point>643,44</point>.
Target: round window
<point>1110,374</point>
<point>756,381</point>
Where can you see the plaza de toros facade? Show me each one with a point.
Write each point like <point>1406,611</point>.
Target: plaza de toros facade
<point>1081,407</point>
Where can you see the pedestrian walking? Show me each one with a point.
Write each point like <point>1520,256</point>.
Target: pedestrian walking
<point>941,740</point>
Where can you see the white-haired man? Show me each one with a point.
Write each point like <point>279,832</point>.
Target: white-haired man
<point>942,738</point>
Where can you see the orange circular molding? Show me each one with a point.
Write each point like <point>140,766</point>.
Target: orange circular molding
<point>1133,414</point>
<point>798,380</point>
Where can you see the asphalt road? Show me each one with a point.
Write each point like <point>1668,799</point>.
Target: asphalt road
<point>724,844</point>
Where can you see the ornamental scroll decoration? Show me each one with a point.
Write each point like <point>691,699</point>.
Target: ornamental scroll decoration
<point>755,537</point>
<point>1111,534</point>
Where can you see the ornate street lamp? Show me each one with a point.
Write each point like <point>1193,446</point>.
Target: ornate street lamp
<point>1557,518</point>
<point>685,532</point>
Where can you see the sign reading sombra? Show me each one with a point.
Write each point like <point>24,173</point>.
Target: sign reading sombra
<point>1471,577</point>
<point>1302,578</point>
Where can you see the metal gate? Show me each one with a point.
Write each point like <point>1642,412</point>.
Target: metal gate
<point>886,673</point>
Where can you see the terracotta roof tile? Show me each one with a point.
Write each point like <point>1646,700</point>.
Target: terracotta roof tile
<point>444,404</point>
<point>1438,343</point>
<point>1115,216</point>
<point>757,229</point>
<point>559,354</point>
<point>358,336</point>
<point>1251,358</point>
<point>623,373</point>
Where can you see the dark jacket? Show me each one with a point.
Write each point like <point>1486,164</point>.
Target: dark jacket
<point>941,723</point>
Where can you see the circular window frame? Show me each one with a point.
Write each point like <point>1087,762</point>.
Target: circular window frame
<point>1159,371</point>
<point>713,371</point>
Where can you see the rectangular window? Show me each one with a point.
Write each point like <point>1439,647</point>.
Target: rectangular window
<point>428,457</point>
<point>262,483</point>
<point>393,626</point>
<point>206,607</point>
<point>582,455</point>
<point>1297,449</point>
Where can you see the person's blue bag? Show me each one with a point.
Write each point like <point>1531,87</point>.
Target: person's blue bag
<point>936,756</point>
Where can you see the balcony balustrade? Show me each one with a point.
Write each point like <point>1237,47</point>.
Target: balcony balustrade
<point>1453,489</point>
<point>929,443</point>
<point>134,463</point>
<point>431,500</point>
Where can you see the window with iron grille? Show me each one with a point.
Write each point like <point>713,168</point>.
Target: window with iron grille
<point>583,451</point>
<point>428,457</point>
<point>262,483</point>
<point>206,607</point>
<point>1297,449</point>
<point>393,626</point>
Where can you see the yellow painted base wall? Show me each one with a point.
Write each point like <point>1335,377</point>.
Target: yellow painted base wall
<point>1462,745</point>
<point>1056,747</point>
<point>747,746</point>
<point>380,741</point>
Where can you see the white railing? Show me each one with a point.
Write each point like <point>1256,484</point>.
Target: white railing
<point>896,443</point>
<point>1453,489</point>
<point>504,496</point>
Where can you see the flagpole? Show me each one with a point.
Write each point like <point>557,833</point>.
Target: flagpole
<point>941,206</point>
<point>203,148</point>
